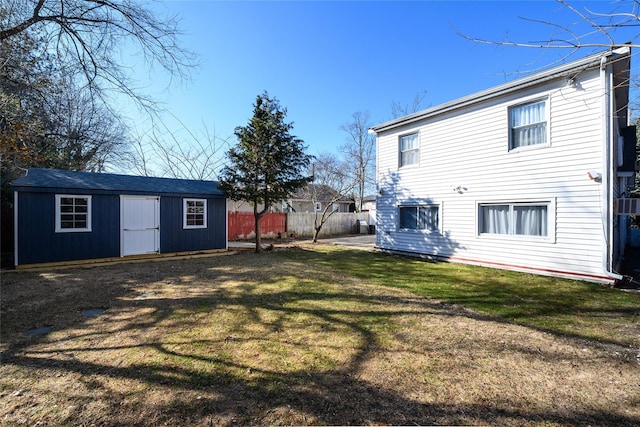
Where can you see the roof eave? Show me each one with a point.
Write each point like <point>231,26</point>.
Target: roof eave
<point>565,70</point>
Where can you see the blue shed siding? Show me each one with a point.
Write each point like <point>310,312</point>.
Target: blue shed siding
<point>174,238</point>
<point>38,241</point>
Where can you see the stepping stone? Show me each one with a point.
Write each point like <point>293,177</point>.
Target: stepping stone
<point>145,296</point>
<point>93,312</point>
<point>38,331</point>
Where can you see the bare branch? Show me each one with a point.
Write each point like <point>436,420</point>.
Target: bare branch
<point>88,35</point>
<point>574,41</point>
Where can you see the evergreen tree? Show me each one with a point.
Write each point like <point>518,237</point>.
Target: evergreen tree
<point>268,163</point>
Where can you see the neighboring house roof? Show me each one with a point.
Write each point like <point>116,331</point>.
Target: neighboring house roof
<point>319,192</point>
<point>568,70</point>
<point>51,180</point>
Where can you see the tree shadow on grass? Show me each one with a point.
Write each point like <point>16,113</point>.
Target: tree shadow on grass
<point>345,321</point>
<point>547,304</point>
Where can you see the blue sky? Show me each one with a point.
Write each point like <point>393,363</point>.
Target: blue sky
<point>326,60</point>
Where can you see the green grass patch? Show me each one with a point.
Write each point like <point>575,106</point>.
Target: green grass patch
<point>556,305</point>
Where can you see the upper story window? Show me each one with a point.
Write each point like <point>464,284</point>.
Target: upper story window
<point>73,213</point>
<point>524,219</point>
<point>409,150</point>
<point>528,124</point>
<point>418,217</point>
<point>195,213</point>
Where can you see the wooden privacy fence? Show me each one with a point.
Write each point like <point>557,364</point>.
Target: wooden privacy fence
<point>241,225</point>
<point>272,225</point>
<point>301,224</point>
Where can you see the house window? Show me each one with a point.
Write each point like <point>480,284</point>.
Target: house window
<point>409,150</point>
<point>195,213</point>
<point>73,213</point>
<point>528,124</point>
<point>318,207</point>
<point>418,217</point>
<point>523,219</point>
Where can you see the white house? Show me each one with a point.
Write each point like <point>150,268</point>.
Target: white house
<point>523,176</point>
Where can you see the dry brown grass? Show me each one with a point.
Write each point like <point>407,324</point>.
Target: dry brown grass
<point>268,340</point>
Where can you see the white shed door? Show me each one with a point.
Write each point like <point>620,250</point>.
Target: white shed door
<point>140,219</point>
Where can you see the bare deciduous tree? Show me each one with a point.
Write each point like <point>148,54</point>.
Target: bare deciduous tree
<point>593,29</point>
<point>399,110</point>
<point>87,37</point>
<point>181,153</point>
<point>331,183</point>
<point>359,151</point>
<point>60,64</point>
<point>46,120</point>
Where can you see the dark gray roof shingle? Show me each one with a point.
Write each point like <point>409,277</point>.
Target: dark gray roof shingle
<point>54,179</point>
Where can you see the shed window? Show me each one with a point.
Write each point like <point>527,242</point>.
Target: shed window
<point>195,213</point>
<point>73,213</point>
<point>409,150</point>
<point>528,124</point>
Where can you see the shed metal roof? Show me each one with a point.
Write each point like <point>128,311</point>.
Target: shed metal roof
<point>51,180</point>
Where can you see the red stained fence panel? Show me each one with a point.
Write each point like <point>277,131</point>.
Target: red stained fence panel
<point>241,225</point>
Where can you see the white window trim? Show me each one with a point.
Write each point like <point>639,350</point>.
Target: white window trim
<point>551,220</point>
<point>58,224</point>
<point>184,213</point>
<point>412,165</point>
<point>414,205</point>
<point>532,100</point>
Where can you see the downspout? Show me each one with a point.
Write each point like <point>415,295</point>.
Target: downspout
<point>15,228</point>
<point>226,222</point>
<point>375,135</point>
<point>608,180</point>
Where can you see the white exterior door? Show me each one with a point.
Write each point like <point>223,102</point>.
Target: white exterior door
<point>140,222</point>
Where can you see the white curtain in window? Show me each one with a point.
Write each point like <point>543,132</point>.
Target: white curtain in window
<point>409,142</point>
<point>531,220</point>
<point>495,219</point>
<point>409,158</point>
<point>529,124</point>
<point>409,149</point>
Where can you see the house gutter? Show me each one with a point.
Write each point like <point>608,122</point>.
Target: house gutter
<point>15,228</point>
<point>569,70</point>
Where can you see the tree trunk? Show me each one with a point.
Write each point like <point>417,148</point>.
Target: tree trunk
<point>257,216</point>
<point>317,227</point>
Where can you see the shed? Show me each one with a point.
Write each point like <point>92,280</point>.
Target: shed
<point>66,215</point>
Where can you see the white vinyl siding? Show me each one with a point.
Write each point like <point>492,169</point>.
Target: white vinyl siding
<point>73,213</point>
<point>479,162</point>
<point>195,213</point>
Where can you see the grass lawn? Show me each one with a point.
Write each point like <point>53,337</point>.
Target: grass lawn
<point>315,335</point>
